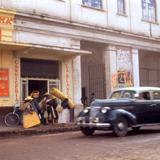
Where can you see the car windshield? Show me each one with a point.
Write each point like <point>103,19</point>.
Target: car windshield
<point>116,95</point>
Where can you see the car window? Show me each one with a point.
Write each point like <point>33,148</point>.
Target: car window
<point>144,95</point>
<point>156,95</point>
<point>116,95</point>
<point>128,94</point>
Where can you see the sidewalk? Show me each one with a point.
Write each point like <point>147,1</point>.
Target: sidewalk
<point>42,129</point>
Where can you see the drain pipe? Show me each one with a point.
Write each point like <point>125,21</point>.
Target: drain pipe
<point>70,12</point>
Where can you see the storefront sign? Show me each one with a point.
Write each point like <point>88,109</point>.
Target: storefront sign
<point>4,83</point>
<point>17,74</point>
<point>6,20</point>
<point>6,25</point>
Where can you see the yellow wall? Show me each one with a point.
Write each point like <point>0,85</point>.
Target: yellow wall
<point>6,62</point>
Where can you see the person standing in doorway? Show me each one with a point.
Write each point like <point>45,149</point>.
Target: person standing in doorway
<point>84,101</point>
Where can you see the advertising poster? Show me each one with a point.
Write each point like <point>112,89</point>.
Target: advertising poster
<point>123,77</point>
<point>4,82</point>
<point>124,68</point>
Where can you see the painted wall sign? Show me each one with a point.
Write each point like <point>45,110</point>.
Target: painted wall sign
<point>4,83</point>
<point>67,79</point>
<point>6,25</point>
<point>6,20</point>
<point>16,81</point>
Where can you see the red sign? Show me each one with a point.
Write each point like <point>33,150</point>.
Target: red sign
<point>0,34</point>
<point>4,82</point>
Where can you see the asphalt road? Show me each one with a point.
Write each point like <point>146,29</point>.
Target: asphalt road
<point>143,145</point>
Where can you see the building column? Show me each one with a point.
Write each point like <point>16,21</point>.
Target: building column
<point>110,68</point>
<point>136,79</point>
<point>77,85</point>
<point>67,87</point>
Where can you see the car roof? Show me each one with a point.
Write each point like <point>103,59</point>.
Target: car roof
<point>139,89</point>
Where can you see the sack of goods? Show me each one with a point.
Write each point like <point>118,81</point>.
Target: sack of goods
<point>30,119</point>
<point>57,93</point>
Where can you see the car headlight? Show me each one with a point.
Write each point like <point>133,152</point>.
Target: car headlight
<point>86,110</point>
<point>105,109</point>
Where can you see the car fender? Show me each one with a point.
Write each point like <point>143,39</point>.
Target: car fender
<point>115,114</point>
<point>82,114</point>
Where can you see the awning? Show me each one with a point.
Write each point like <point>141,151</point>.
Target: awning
<point>31,48</point>
<point>13,46</point>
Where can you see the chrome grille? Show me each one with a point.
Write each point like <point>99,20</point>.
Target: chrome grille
<point>94,111</point>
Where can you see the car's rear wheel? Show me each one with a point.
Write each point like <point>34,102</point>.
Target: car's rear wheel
<point>87,131</point>
<point>120,127</point>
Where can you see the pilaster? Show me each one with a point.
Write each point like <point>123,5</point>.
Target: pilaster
<point>136,78</point>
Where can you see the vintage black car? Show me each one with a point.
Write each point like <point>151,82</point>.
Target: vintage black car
<point>126,108</point>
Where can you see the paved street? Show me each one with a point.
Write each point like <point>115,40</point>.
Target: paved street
<point>144,145</point>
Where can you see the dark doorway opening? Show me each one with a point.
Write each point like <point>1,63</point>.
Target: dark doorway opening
<point>37,85</point>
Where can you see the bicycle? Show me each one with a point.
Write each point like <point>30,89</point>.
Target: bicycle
<point>13,118</point>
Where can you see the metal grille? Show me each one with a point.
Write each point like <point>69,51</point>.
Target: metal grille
<point>39,68</point>
<point>97,80</point>
<point>94,111</point>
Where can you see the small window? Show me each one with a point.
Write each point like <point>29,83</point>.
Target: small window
<point>121,9</point>
<point>156,95</point>
<point>149,10</point>
<point>93,3</point>
<point>144,96</point>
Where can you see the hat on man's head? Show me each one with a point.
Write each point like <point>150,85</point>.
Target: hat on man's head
<point>35,91</point>
<point>46,94</point>
<point>29,98</point>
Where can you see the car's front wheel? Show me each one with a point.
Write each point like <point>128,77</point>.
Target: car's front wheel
<point>87,131</point>
<point>120,127</point>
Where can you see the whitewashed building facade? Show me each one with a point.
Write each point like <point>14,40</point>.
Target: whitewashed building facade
<point>79,46</point>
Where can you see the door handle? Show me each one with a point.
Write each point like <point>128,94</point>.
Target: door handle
<point>153,105</point>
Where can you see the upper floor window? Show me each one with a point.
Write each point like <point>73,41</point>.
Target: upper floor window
<point>93,3</point>
<point>149,10</point>
<point>121,6</point>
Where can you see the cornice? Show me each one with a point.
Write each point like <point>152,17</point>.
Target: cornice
<point>83,26</point>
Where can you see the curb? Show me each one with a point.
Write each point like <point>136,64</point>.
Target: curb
<point>37,131</point>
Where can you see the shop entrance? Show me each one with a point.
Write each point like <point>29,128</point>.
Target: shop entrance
<point>40,75</point>
<point>37,85</point>
<point>42,85</point>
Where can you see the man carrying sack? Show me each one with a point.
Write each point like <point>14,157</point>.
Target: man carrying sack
<point>29,115</point>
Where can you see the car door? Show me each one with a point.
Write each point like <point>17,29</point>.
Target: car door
<point>156,105</point>
<point>145,109</point>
